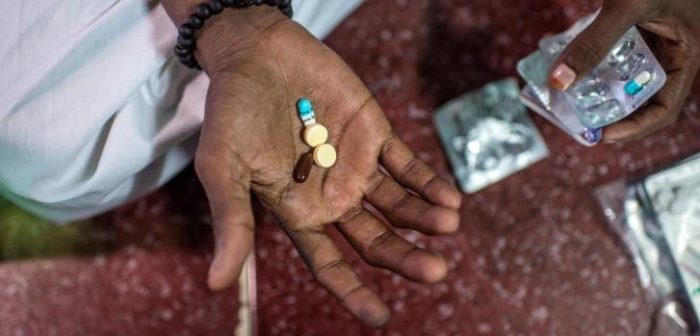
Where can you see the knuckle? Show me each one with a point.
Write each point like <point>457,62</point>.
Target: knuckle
<point>379,241</point>
<point>330,267</point>
<point>667,120</point>
<point>352,290</point>
<point>352,216</point>
<point>401,202</point>
<point>663,118</point>
<point>374,182</point>
<point>433,180</point>
<point>412,168</point>
<point>388,147</point>
<point>653,122</point>
<point>372,254</point>
<point>630,11</point>
<point>631,8</point>
<point>587,53</point>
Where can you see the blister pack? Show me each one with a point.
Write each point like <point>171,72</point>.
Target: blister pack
<point>658,220</point>
<point>625,80</point>
<point>628,76</point>
<point>487,135</point>
<point>550,104</point>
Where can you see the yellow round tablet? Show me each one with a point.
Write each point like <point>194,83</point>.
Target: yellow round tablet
<point>315,135</point>
<point>325,156</point>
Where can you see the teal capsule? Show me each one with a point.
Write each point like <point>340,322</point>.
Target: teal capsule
<point>632,88</point>
<point>304,106</point>
<point>636,85</point>
<point>306,111</point>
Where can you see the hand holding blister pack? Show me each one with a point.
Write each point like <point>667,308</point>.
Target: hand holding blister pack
<point>627,77</point>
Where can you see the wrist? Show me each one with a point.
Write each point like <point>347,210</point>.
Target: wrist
<point>226,32</point>
<point>230,31</point>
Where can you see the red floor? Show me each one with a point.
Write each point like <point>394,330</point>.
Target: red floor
<point>533,256</point>
<point>141,271</point>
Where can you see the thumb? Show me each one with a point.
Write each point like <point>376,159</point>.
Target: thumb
<point>590,47</point>
<point>226,181</point>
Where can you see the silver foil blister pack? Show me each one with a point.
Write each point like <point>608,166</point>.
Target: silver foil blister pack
<point>658,219</point>
<point>487,135</point>
<point>627,77</point>
<point>674,197</point>
<point>550,104</point>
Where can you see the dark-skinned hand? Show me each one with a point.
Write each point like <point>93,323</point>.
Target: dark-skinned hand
<point>251,141</point>
<point>673,33</point>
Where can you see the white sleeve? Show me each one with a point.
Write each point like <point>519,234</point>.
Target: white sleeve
<point>94,110</point>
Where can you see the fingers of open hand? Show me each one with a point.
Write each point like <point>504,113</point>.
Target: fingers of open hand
<point>226,180</point>
<point>381,247</point>
<point>413,173</point>
<point>329,267</point>
<point>407,210</point>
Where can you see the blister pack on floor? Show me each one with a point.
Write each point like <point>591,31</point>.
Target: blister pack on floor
<point>487,135</point>
<point>628,76</point>
<point>674,197</point>
<point>658,220</point>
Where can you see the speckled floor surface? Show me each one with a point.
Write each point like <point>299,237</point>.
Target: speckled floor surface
<point>533,255</point>
<point>139,270</point>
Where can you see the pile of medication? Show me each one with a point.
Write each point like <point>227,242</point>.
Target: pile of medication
<point>316,136</point>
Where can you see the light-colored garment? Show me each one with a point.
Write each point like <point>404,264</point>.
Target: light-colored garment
<point>94,109</point>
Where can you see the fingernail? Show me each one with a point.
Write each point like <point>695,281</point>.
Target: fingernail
<point>611,141</point>
<point>213,275</point>
<point>609,138</point>
<point>562,77</point>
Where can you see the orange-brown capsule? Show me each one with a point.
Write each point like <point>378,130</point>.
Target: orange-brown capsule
<point>303,168</point>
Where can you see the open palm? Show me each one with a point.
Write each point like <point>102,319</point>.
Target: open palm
<point>252,139</point>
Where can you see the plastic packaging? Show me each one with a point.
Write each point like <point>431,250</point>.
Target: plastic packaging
<point>487,135</point>
<point>628,76</point>
<point>625,80</point>
<point>658,219</point>
<point>551,104</point>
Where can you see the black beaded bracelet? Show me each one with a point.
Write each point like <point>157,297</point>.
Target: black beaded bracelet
<point>186,45</point>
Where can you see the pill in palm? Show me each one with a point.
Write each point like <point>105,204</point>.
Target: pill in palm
<point>303,168</point>
<point>325,156</point>
<point>315,135</point>
<point>306,111</point>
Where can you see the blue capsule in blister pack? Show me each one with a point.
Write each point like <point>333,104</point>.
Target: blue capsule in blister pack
<point>621,84</point>
<point>628,76</point>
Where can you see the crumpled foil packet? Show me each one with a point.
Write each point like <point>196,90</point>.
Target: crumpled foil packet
<point>488,136</point>
<point>658,219</point>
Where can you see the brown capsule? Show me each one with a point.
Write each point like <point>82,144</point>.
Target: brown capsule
<point>303,168</point>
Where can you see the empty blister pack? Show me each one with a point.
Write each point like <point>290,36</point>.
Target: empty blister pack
<point>487,135</point>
